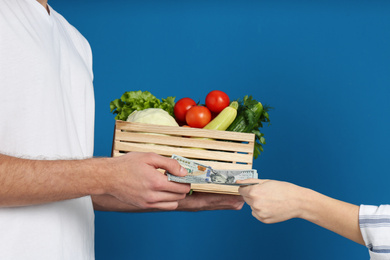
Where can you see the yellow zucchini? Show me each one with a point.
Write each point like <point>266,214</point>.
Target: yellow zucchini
<point>224,119</point>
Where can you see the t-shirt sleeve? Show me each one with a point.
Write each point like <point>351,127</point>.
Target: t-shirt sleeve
<point>374,224</point>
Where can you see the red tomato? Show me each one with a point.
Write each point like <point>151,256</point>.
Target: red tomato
<point>181,107</point>
<point>217,100</point>
<point>198,116</point>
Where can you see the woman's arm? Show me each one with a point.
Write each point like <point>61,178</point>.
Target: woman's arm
<point>276,201</point>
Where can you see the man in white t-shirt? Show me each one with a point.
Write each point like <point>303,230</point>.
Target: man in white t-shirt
<point>49,182</point>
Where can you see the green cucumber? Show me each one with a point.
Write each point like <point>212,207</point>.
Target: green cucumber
<point>246,118</point>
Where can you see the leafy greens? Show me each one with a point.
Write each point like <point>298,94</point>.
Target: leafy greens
<point>139,100</point>
<point>254,119</point>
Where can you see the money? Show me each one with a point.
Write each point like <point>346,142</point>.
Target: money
<point>201,173</point>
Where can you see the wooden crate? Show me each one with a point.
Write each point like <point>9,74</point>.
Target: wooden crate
<point>219,149</point>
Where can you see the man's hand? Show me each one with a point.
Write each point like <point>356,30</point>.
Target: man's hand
<point>136,180</point>
<point>210,201</point>
<point>197,201</point>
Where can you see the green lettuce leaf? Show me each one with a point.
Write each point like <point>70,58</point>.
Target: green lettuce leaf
<point>139,100</point>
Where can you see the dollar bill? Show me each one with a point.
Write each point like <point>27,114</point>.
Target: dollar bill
<point>197,172</point>
<point>201,173</point>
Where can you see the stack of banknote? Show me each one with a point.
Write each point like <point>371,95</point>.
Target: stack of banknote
<point>200,173</point>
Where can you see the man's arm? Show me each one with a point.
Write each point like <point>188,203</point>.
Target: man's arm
<point>195,202</point>
<point>132,179</point>
<point>276,201</point>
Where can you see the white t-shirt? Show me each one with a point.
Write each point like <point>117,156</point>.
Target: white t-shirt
<point>46,112</point>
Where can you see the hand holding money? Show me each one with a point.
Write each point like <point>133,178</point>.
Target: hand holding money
<point>203,174</point>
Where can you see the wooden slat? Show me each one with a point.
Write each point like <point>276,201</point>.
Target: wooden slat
<point>185,152</point>
<point>226,165</point>
<point>224,145</point>
<point>184,131</point>
<point>215,188</point>
<point>213,164</point>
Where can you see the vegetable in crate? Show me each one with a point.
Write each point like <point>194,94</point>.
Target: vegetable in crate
<point>155,116</point>
<point>139,100</point>
<point>181,108</point>
<point>250,117</point>
<point>224,119</point>
<point>198,116</point>
<point>217,100</point>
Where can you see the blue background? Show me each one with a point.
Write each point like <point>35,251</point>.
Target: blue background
<point>323,65</point>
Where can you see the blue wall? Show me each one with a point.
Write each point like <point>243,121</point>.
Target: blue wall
<point>323,66</point>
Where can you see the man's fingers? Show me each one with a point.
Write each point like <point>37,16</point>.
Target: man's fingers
<point>170,165</point>
<point>161,183</point>
<point>175,187</point>
<point>164,205</point>
<point>211,201</point>
<point>165,200</point>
